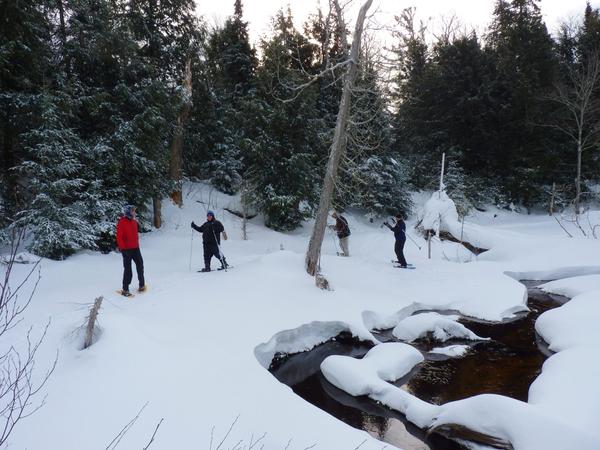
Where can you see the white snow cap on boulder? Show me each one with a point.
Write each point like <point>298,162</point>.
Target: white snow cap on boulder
<point>438,207</point>
<point>443,327</point>
<point>384,362</point>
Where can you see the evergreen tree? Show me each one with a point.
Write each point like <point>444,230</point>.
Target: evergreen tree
<point>372,178</point>
<point>25,69</point>
<point>281,168</point>
<point>56,192</point>
<point>525,67</point>
<point>412,112</point>
<point>231,66</point>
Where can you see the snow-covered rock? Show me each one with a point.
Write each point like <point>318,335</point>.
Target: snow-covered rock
<point>443,327</point>
<point>454,351</point>
<point>384,362</point>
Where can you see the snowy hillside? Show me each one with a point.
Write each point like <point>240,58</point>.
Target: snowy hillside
<point>197,346</point>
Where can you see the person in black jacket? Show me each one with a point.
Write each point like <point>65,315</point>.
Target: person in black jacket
<point>211,240</point>
<point>399,230</point>
<point>343,232</point>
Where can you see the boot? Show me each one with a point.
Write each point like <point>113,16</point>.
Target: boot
<point>206,269</point>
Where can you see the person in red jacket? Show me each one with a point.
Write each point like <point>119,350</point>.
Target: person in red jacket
<point>129,245</point>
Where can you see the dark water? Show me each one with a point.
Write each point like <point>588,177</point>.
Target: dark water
<point>506,365</point>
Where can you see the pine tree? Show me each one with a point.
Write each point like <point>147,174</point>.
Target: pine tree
<point>411,85</point>
<point>525,67</point>
<point>281,168</point>
<point>373,177</point>
<point>25,68</point>
<point>56,191</point>
<point>231,64</point>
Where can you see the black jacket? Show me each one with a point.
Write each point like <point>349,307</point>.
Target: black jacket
<point>399,230</point>
<point>211,231</point>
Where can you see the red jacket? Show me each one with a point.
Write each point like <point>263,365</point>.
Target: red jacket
<point>127,234</point>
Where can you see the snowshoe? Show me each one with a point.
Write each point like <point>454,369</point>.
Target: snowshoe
<point>143,289</point>
<point>125,293</point>
<point>404,267</point>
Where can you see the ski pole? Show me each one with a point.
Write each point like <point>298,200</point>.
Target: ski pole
<point>414,242</point>
<point>221,255</point>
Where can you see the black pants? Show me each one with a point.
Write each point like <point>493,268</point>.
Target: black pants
<point>211,250</point>
<point>399,249</point>
<point>135,255</point>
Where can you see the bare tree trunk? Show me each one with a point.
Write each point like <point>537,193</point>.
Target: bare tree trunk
<point>552,197</point>
<point>89,331</point>
<point>157,212</point>
<point>578,180</point>
<point>176,161</point>
<point>429,232</point>
<point>338,147</point>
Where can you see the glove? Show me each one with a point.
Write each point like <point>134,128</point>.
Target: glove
<point>193,224</point>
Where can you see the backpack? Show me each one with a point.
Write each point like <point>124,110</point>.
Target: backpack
<point>345,231</point>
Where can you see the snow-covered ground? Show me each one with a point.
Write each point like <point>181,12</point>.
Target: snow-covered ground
<point>196,346</point>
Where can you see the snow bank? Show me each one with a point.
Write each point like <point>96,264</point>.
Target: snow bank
<point>304,338</point>
<point>525,426</point>
<point>566,387</point>
<point>443,327</point>
<point>573,324</point>
<point>189,339</point>
<point>366,376</point>
<point>573,286</point>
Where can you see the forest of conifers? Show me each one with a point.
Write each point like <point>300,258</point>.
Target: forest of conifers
<point>111,102</point>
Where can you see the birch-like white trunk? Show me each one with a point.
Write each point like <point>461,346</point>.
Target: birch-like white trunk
<point>338,147</point>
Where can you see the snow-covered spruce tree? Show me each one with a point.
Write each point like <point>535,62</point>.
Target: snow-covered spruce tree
<point>372,177</point>
<point>52,170</point>
<point>125,112</point>
<point>225,172</point>
<point>167,37</point>
<point>281,170</point>
<point>383,187</point>
<point>25,68</point>
<point>231,64</point>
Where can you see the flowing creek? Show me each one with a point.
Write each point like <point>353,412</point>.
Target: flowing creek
<point>506,365</point>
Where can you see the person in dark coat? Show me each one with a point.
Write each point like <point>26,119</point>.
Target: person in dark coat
<point>211,240</point>
<point>129,246</point>
<point>343,232</point>
<point>399,230</point>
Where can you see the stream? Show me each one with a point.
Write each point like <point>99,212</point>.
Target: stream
<point>506,365</point>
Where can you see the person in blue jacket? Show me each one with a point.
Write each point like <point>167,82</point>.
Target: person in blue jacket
<point>399,230</point>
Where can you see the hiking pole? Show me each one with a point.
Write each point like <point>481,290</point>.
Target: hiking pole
<point>414,242</point>
<point>221,255</point>
<point>191,249</point>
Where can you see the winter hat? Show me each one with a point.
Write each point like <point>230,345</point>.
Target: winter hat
<point>210,213</point>
<point>128,211</point>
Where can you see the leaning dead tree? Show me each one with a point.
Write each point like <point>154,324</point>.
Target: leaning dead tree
<point>338,147</point>
<point>579,97</point>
